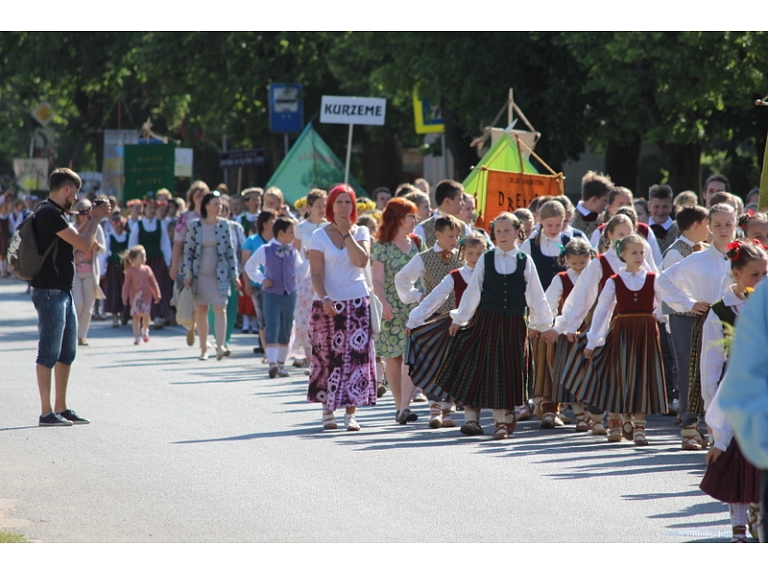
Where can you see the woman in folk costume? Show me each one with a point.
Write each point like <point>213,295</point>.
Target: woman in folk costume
<point>730,477</point>
<point>150,232</point>
<point>576,316</point>
<point>429,338</point>
<point>117,244</point>
<point>625,376</point>
<point>486,363</point>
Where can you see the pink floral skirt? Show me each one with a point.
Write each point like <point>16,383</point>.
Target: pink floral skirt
<point>342,367</point>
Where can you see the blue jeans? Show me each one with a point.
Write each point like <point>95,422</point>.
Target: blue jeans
<point>57,326</point>
<point>278,315</point>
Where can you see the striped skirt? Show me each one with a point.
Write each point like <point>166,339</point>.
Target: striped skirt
<point>425,349</point>
<point>566,363</point>
<point>342,371</point>
<point>695,401</point>
<point>543,355</point>
<point>626,375</point>
<point>486,364</point>
<point>161,309</point>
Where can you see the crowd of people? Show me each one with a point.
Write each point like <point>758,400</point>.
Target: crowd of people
<point>613,309</point>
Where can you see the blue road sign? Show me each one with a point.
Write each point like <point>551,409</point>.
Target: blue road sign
<point>286,108</point>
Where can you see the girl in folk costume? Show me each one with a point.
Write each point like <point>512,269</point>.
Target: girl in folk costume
<point>575,256</point>
<point>689,287</point>
<point>755,227</point>
<point>301,346</point>
<point>730,477</point>
<point>576,314</point>
<point>429,339</point>
<point>150,232</point>
<point>140,289</point>
<point>626,376</point>
<point>117,244</point>
<point>280,261</point>
<point>604,245</point>
<point>486,364</point>
<point>545,249</point>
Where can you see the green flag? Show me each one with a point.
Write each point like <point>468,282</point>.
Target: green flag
<point>310,163</point>
<point>502,156</point>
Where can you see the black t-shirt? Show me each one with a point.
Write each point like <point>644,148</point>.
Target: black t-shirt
<point>49,221</point>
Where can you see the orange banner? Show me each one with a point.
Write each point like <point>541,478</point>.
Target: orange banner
<point>508,191</point>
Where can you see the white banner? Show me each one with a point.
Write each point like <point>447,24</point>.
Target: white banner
<point>183,166</point>
<point>32,174</point>
<point>350,110</point>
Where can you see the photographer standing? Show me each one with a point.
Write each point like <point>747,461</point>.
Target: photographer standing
<point>52,291</point>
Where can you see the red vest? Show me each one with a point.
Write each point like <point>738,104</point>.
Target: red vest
<point>607,270</point>
<point>459,285</point>
<point>628,301</point>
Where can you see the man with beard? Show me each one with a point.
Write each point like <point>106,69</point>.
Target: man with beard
<point>52,292</point>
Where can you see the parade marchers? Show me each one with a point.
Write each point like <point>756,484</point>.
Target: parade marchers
<point>526,318</point>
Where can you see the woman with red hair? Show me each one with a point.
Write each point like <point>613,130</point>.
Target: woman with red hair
<point>342,370</point>
<point>396,246</point>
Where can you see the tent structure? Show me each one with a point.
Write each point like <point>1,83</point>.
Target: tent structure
<point>503,156</point>
<point>310,163</point>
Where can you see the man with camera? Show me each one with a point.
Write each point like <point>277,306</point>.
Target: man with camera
<point>52,292</point>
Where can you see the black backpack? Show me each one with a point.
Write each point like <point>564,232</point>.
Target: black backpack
<point>24,256</point>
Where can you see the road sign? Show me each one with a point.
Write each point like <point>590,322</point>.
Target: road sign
<point>286,108</point>
<point>350,110</point>
<point>43,114</point>
<point>241,158</point>
<point>427,115</point>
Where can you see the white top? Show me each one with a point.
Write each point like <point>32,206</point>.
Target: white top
<point>722,432</point>
<point>554,293</point>
<point>606,303</point>
<point>549,246</point>
<point>304,230</point>
<point>585,290</point>
<point>436,298</point>
<point>505,263</point>
<point>253,267</point>
<point>699,277</point>
<point>343,279</point>
<point>409,275</point>
<point>150,225</point>
<point>713,354</point>
<point>652,242</point>
<point>419,231</point>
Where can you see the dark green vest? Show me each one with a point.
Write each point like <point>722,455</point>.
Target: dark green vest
<point>724,312</point>
<point>116,249</point>
<point>504,294</point>
<point>151,240</point>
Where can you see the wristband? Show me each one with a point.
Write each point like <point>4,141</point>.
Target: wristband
<point>327,297</point>
<point>345,236</point>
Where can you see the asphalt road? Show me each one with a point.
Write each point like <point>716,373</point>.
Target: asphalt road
<point>181,450</point>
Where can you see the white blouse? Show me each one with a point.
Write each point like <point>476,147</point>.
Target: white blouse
<point>554,293</point>
<point>343,280</point>
<point>699,277</point>
<point>505,263</point>
<point>549,246</point>
<point>304,231</point>
<point>713,354</point>
<point>407,277</point>
<point>436,298</point>
<point>606,303</point>
<point>585,290</point>
<point>150,225</point>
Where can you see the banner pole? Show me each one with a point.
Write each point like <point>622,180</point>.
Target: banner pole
<point>445,156</point>
<point>349,154</point>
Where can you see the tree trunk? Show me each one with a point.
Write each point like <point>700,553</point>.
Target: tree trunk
<point>621,163</point>
<point>684,162</point>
